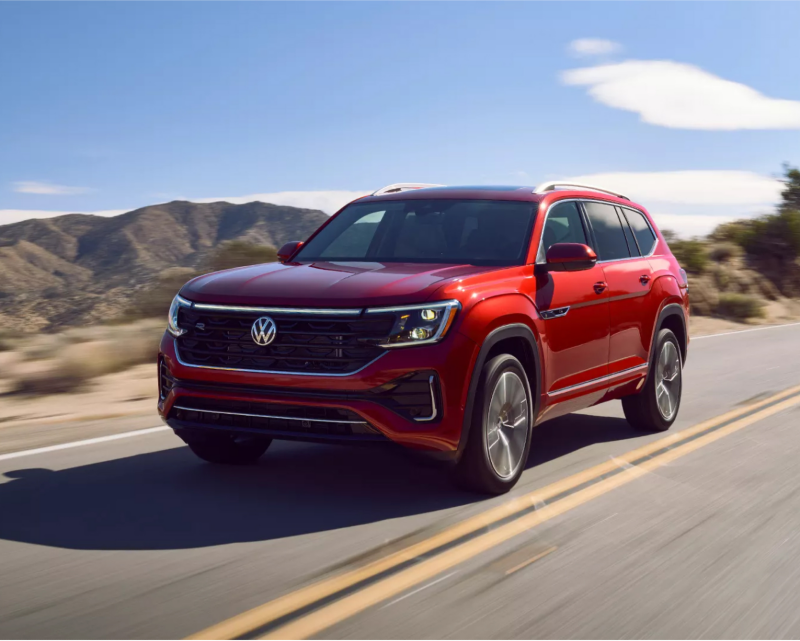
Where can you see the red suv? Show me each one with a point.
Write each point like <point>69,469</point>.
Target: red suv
<point>446,319</point>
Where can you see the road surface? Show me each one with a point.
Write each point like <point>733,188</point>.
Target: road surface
<point>694,536</point>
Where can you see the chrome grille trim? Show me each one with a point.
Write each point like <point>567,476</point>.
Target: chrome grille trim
<point>277,310</point>
<point>434,409</point>
<point>282,418</point>
<point>269,371</point>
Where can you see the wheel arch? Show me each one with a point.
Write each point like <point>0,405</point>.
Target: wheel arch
<point>518,340</point>
<point>671,317</point>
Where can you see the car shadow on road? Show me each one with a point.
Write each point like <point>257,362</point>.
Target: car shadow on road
<point>557,438</point>
<point>170,500</point>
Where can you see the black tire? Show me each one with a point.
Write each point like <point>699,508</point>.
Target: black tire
<point>228,449</point>
<point>475,471</point>
<point>642,410</point>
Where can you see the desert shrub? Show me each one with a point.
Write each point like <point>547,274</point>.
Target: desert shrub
<point>691,254</point>
<point>740,306</point>
<point>74,364</point>
<point>238,253</point>
<point>669,235</point>
<point>723,252</point>
<point>9,340</point>
<point>153,300</point>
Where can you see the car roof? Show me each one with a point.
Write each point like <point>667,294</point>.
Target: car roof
<point>498,192</point>
<point>467,192</point>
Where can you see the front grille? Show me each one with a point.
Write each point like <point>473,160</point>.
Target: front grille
<point>272,417</point>
<point>303,343</point>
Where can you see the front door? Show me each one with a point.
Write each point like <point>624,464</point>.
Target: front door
<point>573,305</point>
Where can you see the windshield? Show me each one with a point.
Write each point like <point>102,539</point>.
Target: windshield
<point>478,232</point>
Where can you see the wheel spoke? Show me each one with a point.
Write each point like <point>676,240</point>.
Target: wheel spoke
<point>493,433</point>
<point>663,399</point>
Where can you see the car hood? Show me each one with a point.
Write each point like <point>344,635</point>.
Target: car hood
<point>325,284</point>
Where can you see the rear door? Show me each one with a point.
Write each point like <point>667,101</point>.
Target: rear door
<point>574,310</point>
<point>628,276</point>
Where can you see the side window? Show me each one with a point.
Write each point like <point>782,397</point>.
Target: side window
<point>633,248</point>
<point>611,243</point>
<point>641,229</point>
<point>563,225</point>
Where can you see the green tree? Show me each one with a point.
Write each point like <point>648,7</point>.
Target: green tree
<point>791,195</point>
<point>777,235</point>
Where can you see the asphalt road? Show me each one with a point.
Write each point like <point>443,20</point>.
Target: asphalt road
<point>136,538</point>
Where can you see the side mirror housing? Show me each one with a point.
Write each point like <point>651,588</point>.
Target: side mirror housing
<point>570,257</point>
<point>288,250</point>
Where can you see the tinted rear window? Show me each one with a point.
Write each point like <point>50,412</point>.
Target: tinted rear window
<point>644,234</point>
<point>611,243</point>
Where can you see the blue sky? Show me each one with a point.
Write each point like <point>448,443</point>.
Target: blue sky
<point>112,106</point>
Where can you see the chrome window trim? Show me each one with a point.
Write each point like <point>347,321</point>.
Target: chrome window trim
<point>270,371</point>
<point>602,379</point>
<point>603,202</point>
<point>434,409</point>
<point>278,310</point>
<point>282,418</point>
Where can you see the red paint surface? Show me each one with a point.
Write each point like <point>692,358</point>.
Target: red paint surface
<point>606,330</point>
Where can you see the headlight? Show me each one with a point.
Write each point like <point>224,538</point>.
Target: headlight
<point>172,321</point>
<point>419,324</point>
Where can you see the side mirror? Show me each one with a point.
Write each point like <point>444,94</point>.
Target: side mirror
<point>288,250</point>
<point>570,257</point>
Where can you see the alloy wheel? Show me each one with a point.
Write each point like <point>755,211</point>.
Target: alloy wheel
<point>507,424</point>
<point>668,380</point>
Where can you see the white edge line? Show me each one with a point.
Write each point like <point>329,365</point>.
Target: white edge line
<point>89,441</point>
<point>743,331</point>
<point>420,589</point>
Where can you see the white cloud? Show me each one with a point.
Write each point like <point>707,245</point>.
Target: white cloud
<point>682,96</point>
<point>8,216</point>
<point>48,189</point>
<point>328,201</point>
<point>693,202</point>
<point>701,187</point>
<point>593,47</point>
<point>687,226</point>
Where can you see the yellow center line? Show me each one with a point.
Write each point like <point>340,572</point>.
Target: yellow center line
<point>326,616</point>
<point>533,559</point>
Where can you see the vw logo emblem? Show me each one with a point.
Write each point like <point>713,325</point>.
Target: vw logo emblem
<point>263,331</point>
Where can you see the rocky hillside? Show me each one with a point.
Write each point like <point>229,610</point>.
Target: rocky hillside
<point>78,269</point>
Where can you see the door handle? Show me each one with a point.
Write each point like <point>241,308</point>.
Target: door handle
<point>644,279</point>
<point>600,287</point>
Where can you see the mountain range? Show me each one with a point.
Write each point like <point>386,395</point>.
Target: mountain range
<point>78,269</point>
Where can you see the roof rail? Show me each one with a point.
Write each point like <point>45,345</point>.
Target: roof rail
<point>398,187</point>
<point>551,186</point>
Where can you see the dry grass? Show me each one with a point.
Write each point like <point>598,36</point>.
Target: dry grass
<point>740,306</point>
<point>67,362</point>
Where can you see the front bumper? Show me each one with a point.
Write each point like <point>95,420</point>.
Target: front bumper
<point>359,399</point>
